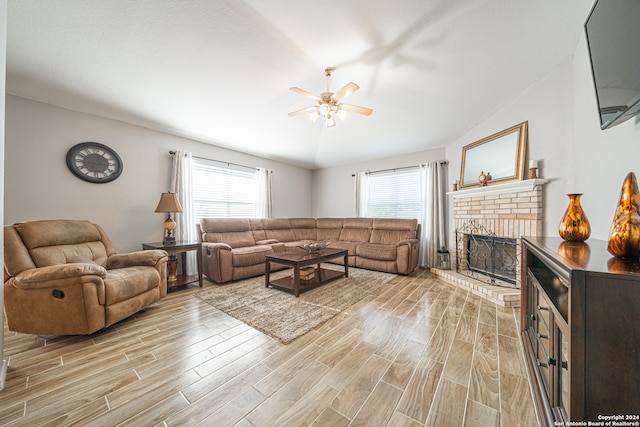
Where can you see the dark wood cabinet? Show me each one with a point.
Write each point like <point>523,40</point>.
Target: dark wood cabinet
<point>581,330</point>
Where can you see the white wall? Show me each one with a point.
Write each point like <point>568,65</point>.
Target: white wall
<point>565,136</point>
<point>333,191</point>
<point>574,154</point>
<point>603,158</point>
<point>547,108</point>
<point>39,185</point>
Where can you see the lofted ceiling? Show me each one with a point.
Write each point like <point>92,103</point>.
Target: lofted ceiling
<point>219,71</point>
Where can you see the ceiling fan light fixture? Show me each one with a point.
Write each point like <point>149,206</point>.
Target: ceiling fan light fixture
<point>328,104</point>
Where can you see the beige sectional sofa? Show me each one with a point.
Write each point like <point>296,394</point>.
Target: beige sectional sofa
<point>234,248</point>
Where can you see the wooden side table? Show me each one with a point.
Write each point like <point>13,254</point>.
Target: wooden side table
<point>181,247</point>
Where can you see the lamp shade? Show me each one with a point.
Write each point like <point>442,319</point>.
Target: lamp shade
<point>169,203</point>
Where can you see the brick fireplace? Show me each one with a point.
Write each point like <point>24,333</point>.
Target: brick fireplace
<point>508,210</point>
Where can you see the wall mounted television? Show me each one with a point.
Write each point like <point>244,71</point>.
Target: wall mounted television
<point>613,40</point>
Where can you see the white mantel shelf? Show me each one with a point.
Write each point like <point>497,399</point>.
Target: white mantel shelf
<point>507,187</point>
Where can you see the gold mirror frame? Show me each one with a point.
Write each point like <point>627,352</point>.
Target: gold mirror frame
<point>501,155</point>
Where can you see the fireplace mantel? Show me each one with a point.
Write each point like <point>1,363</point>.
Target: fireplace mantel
<point>507,187</point>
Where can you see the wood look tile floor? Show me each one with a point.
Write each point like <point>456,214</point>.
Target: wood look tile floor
<point>419,352</point>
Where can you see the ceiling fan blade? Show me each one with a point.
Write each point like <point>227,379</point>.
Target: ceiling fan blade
<point>305,93</point>
<point>346,90</point>
<point>356,109</point>
<point>304,110</point>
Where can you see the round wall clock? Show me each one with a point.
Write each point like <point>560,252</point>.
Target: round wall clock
<point>94,162</point>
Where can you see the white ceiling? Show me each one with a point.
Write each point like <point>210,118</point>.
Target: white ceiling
<point>219,71</point>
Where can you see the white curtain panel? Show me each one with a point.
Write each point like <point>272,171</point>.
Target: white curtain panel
<point>263,197</point>
<point>182,185</point>
<point>432,176</point>
<point>361,189</point>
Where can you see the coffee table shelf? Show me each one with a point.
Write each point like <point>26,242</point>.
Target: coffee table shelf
<point>322,276</point>
<point>296,260</point>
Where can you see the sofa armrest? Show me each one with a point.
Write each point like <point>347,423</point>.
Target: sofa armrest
<point>216,246</point>
<point>149,258</point>
<point>409,242</point>
<point>52,276</point>
<point>217,261</point>
<point>408,255</point>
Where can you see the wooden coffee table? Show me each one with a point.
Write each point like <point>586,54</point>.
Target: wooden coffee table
<point>296,260</point>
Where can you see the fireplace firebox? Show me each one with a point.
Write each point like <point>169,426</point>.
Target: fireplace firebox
<point>484,256</point>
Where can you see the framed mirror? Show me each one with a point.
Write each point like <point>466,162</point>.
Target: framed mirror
<point>500,155</point>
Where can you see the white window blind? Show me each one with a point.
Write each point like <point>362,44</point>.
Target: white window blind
<point>394,194</point>
<point>222,192</point>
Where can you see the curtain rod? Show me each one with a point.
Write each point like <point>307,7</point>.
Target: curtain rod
<point>442,162</point>
<point>219,161</point>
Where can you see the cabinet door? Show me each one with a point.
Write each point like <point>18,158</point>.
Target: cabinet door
<point>562,372</point>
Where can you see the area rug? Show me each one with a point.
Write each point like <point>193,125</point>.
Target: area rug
<point>283,316</point>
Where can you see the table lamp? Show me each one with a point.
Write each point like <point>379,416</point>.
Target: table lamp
<point>169,203</point>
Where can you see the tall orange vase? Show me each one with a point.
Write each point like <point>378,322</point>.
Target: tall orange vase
<point>574,226</point>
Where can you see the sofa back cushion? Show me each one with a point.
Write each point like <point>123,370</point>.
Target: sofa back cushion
<point>278,229</point>
<point>257,228</point>
<point>236,232</point>
<point>356,229</point>
<point>391,231</point>
<point>304,228</point>
<point>328,229</point>
<point>54,242</point>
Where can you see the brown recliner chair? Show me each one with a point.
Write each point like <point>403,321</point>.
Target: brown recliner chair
<point>63,277</point>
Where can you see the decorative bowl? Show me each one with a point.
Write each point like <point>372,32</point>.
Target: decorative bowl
<point>315,247</point>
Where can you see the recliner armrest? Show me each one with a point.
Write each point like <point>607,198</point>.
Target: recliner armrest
<point>409,242</point>
<point>216,246</point>
<point>50,276</point>
<point>148,258</point>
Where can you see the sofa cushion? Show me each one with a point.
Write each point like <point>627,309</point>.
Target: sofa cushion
<point>304,229</point>
<point>125,283</point>
<point>377,251</point>
<point>356,229</point>
<point>257,228</point>
<point>236,232</point>
<point>235,240</point>
<point>36,234</point>
<point>93,252</point>
<point>278,229</point>
<point>349,246</point>
<point>391,231</point>
<point>357,223</point>
<point>355,234</point>
<point>250,255</point>
<point>328,229</point>
<point>52,242</point>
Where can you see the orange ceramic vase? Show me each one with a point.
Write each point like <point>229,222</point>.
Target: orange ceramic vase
<point>574,226</point>
<point>624,238</point>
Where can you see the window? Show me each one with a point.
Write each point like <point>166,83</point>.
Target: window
<point>394,194</point>
<point>223,192</point>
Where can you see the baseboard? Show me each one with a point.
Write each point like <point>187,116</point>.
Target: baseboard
<point>3,374</point>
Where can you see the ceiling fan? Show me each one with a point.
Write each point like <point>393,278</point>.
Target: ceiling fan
<point>328,103</point>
